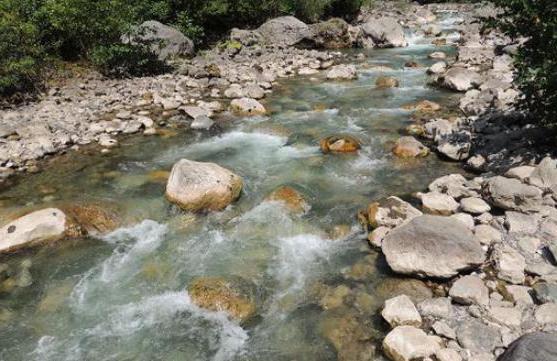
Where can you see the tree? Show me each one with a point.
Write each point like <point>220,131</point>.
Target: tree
<point>534,22</point>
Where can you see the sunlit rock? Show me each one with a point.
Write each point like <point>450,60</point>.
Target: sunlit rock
<point>46,225</point>
<point>291,198</point>
<point>197,186</point>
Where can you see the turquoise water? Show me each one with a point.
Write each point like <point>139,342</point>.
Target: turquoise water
<point>123,297</point>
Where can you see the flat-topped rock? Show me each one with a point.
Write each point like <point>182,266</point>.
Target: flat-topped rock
<point>198,186</point>
<point>512,194</point>
<point>400,311</point>
<point>432,246</point>
<point>46,225</point>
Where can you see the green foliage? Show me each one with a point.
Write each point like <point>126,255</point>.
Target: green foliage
<point>32,30</point>
<point>127,60</point>
<point>20,53</point>
<point>535,21</point>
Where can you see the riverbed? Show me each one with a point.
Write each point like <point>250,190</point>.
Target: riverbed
<point>123,296</point>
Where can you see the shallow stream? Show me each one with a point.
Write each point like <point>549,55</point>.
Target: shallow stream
<point>123,297</point>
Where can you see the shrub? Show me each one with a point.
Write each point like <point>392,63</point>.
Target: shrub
<point>20,54</point>
<point>536,61</point>
<point>126,60</point>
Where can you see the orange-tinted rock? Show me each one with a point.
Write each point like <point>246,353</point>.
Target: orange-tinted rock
<point>409,147</point>
<point>90,219</point>
<point>218,294</point>
<point>158,176</point>
<point>291,198</point>
<point>425,106</point>
<point>386,82</point>
<point>340,144</point>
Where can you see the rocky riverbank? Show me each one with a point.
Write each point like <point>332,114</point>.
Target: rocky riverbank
<point>484,246</point>
<point>488,243</point>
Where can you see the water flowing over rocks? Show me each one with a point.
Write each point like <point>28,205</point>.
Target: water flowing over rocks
<point>234,297</point>
<point>196,186</point>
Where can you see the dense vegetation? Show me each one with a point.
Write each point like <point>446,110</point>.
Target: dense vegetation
<point>535,23</point>
<point>33,31</point>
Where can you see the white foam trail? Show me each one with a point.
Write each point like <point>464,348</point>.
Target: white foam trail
<point>127,320</point>
<point>296,258</point>
<point>133,244</point>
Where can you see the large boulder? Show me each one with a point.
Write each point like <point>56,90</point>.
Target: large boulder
<point>285,30</point>
<point>385,32</point>
<point>512,194</point>
<point>165,41</point>
<point>432,246</point>
<point>234,296</point>
<point>197,186</point>
<point>460,79</point>
<point>534,346</point>
<point>331,34</point>
<point>46,225</point>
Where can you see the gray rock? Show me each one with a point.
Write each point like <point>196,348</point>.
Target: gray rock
<point>510,264</point>
<point>469,290</point>
<point>406,343</point>
<point>474,205</point>
<point>247,106</point>
<point>546,314</point>
<point>448,354</point>
<point>521,223</point>
<point>477,336</point>
<point>537,346</point>
<point>545,292</point>
<point>544,175</point>
<point>165,41</point>
<point>508,316</point>
<point>511,194</point>
<point>520,295</point>
<point>522,172</point>
<point>202,123</point>
<point>439,307</point>
<point>400,311</point>
<point>442,329</point>
<point>461,79</point>
<point>331,34</point>
<point>454,185</point>
<point>342,72</point>
<point>432,246</point>
<point>285,30</point>
<point>385,32</point>
<point>438,203</point>
<point>391,212</point>
<point>246,37</point>
<point>438,68</point>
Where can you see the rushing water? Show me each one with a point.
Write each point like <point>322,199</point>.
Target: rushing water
<point>123,297</point>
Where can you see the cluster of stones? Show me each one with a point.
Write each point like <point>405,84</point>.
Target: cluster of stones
<point>489,244</point>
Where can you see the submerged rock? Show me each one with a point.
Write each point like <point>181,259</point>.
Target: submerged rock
<point>339,144</point>
<point>386,82</point>
<point>90,219</point>
<point>46,225</point>
<point>197,186</point>
<point>235,296</point>
<point>291,198</point>
<point>410,147</point>
<point>432,246</point>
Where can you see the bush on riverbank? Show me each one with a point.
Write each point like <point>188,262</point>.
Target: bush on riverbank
<point>536,61</point>
<point>32,30</point>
